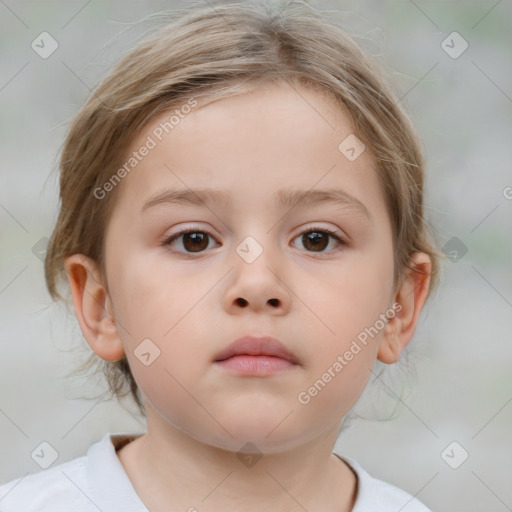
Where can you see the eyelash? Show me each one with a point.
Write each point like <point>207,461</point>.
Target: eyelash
<point>340,242</point>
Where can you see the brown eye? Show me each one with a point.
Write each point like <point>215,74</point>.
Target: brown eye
<point>192,240</point>
<point>317,240</point>
<point>195,242</point>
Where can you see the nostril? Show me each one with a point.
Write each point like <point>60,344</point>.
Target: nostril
<point>274,302</point>
<point>241,302</point>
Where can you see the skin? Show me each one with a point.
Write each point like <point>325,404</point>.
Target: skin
<point>199,416</point>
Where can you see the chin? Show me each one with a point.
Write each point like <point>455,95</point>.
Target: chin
<point>268,434</point>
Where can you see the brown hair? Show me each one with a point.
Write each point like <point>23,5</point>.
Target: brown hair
<point>214,51</point>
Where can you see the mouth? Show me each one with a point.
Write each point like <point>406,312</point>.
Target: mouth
<point>258,357</point>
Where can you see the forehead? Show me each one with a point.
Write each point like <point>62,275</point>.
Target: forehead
<point>273,138</point>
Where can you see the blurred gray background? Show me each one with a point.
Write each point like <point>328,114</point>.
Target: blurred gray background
<point>461,103</point>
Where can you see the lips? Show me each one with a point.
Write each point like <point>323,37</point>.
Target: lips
<point>256,346</point>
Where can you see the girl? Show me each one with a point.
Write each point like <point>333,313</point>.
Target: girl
<point>242,229</point>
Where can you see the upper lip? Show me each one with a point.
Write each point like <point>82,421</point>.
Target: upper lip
<point>256,346</point>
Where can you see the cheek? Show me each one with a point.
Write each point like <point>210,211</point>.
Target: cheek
<point>175,328</point>
<point>150,296</point>
<point>350,304</point>
<point>154,301</point>
<point>355,295</point>
<point>166,390</point>
<point>335,390</point>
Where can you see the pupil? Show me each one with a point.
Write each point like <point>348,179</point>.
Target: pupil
<point>314,238</point>
<point>198,240</point>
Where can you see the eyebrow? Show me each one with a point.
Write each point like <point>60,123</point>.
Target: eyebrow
<point>285,199</point>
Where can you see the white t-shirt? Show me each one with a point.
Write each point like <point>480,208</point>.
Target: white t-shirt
<point>97,482</point>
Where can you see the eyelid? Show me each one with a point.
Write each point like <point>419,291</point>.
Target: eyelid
<point>189,229</point>
<point>316,227</point>
<point>342,238</point>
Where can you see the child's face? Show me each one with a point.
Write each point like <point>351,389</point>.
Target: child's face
<point>313,295</point>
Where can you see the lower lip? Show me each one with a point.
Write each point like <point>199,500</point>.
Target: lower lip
<point>255,366</point>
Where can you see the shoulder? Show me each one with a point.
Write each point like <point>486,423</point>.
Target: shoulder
<point>53,489</point>
<point>93,482</point>
<point>374,494</point>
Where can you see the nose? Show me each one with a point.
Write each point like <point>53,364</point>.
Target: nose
<point>258,286</point>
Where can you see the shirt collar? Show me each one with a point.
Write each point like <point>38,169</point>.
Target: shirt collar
<point>111,487</point>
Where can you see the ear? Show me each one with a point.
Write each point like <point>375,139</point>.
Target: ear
<point>409,300</point>
<point>93,307</point>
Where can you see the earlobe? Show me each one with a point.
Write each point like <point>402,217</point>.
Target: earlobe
<point>93,307</point>
<point>411,297</point>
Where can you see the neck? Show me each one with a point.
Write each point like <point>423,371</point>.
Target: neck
<point>172,471</point>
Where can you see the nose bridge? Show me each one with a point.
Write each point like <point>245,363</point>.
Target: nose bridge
<point>257,257</point>
<point>255,247</point>
<point>258,242</point>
